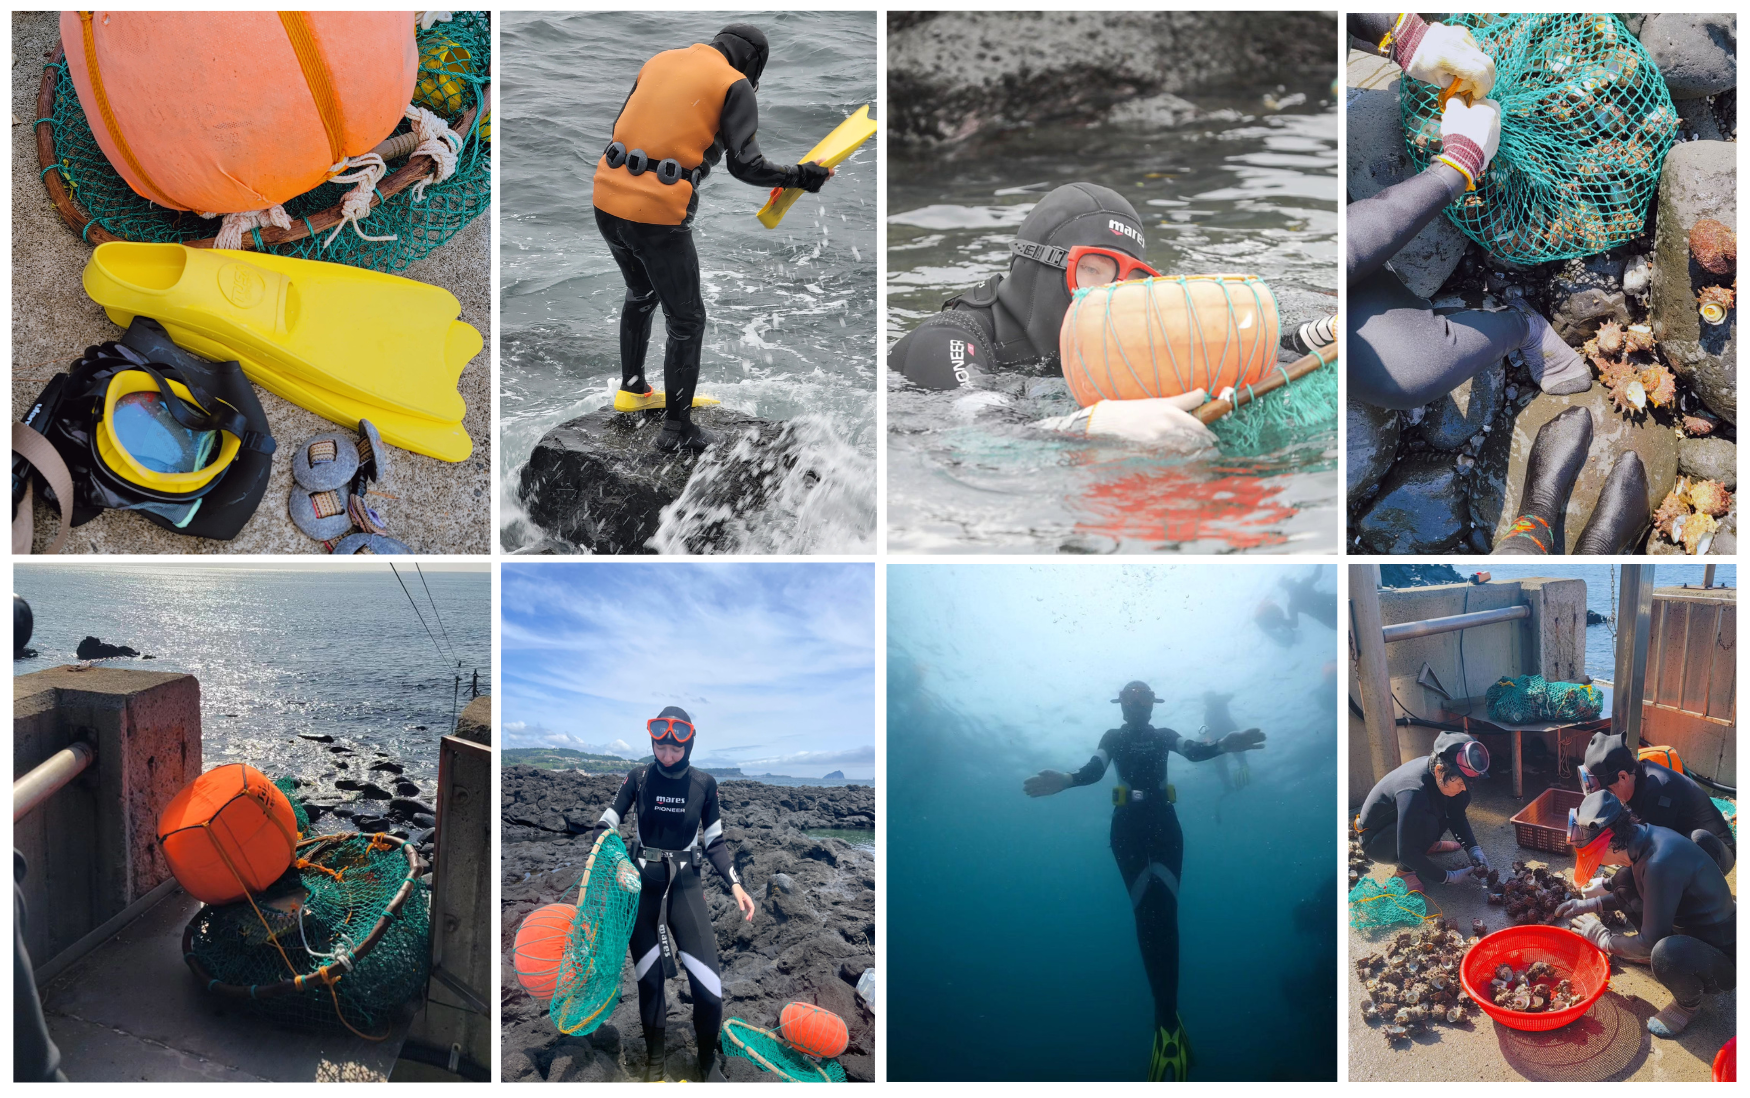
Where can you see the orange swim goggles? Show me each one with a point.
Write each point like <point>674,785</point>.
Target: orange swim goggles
<point>1086,265</point>
<point>672,729</point>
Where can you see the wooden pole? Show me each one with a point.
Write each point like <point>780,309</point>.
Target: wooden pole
<point>1213,410</point>
<point>1375,681</point>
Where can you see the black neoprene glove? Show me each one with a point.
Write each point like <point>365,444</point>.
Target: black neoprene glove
<point>811,176</point>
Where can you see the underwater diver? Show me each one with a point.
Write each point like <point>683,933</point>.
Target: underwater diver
<point>1401,353</point>
<point>1217,723</point>
<point>1305,598</point>
<point>688,109</point>
<point>1671,890</point>
<point>1407,812</point>
<point>1275,624</point>
<point>1149,847</point>
<point>677,818</point>
<point>1658,795</point>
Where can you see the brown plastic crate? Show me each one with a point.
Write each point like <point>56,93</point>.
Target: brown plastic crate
<point>1543,824</point>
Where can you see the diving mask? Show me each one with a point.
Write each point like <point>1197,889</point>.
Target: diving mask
<point>1086,266</point>
<point>669,730</point>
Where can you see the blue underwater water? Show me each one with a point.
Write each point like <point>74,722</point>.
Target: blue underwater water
<point>1012,953</point>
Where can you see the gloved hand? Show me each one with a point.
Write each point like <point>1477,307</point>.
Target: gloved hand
<point>1479,859</point>
<point>1573,909</point>
<point>811,176</point>
<point>1459,876</point>
<point>1446,54</point>
<point>1165,422</point>
<point>1249,740</point>
<point>1592,928</point>
<point>1045,783</point>
<point>1597,886</point>
<point>1469,136</point>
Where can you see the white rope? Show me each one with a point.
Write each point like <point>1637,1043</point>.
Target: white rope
<point>231,230</point>
<point>427,18</point>
<point>367,171</point>
<point>437,141</point>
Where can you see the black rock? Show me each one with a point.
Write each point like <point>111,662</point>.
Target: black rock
<point>372,791</point>
<point>1420,508</point>
<point>1418,575</point>
<point>315,739</point>
<point>406,789</point>
<point>1696,54</point>
<point>371,824</point>
<point>1593,617</point>
<point>1710,458</point>
<point>423,819</point>
<point>348,784</point>
<point>345,811</point>
<point>338,750</point>
<point>93,649</point>
<point>1372,441</point>
<point>406,808</point>
<point>391,767</point>
<point>1457,416</point>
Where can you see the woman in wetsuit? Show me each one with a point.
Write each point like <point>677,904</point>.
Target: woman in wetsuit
<point>1149,848</point>
<point>676,817</point>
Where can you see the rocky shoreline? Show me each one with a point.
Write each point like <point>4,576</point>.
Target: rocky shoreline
<point>1446,477</point>
<point>811,939</point>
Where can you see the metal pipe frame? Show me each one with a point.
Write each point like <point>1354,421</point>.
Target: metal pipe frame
<point>49,777</point>
<point>1411,630</point>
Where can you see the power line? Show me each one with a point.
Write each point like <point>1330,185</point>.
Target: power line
<point>421,617</point>
<point>435,614</point>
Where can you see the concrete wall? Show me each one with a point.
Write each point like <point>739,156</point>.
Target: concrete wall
<point>1691,700</point>
<point>92,848</point>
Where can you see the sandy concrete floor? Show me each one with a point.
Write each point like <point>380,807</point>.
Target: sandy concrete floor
<point>1610,1042</point>
<point>437,507</point>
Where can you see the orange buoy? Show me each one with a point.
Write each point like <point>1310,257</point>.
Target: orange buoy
<point>228,833</point>
<point>1160,337</point>
<point>540,948</point>
<point>813,1030</point>
<point>1666,757</point>
<point>221,112</point>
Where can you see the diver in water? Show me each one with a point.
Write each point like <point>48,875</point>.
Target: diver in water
<point>1671,890</point>
<point>1275,624</point>
<point>1217,723</point>
<point>1408,811</point>
<point>1149,848</point>
<point>688,109</point>
<point>679,827</point>
<point>1658,795</point>
<point>1403,355</point>
<point>1305,598</point>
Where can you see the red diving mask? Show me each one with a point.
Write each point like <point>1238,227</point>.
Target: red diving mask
<point>1086,266</point>
<point>669,729</point>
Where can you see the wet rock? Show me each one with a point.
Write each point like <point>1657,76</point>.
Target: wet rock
<point>1488,481</point>
<point>1696,54</point>
<point>406,808</point>
<point>596,484</point>
<point>1584,294</point>
<point>316,739</point>
<point>340,750</point>
<point>1726,538</point>
<point>1699,180</point>
<point>1420,509</point>
<point>1377,160</point>
<point>1612,434</point>
<point>390,767</point>
<point>368,790</point>
<point>423,819</point>
<point>1455,417</point>
<point>93,649</point>
<point>371,825</point>
<point>1709,459</point>
<point>1165,111</point>
<point>1637,277</point>
<point>406,789</point>
<point>1371,437</point>
<point>475,722</point>
<point>345,811</point>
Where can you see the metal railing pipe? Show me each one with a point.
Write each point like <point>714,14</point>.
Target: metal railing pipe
<point>1410,630</point>
<point>49,777</point>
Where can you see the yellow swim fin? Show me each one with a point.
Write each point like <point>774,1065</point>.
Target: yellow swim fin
<point>365,339</point>
<point>1171,1059</point>
<point>840,143</point>
<point>656,398</point>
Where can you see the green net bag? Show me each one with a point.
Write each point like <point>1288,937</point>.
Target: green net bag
<point>289,786</point>
<point>769,1052</point>
<point>455,71</point>
<point>1372,904</point>
<point>1284,417</point>
<point>343,939</point>
<point>1531,698</point>
<point>588,986</point>
<point>1586,122</point>
<point>1729,810</point>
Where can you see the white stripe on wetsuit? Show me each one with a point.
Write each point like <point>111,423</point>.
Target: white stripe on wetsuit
<point>1103,756</point>
<point>644,962</point>
<point>611,818</point>
<point>1139,887</point>
<point>712,833</point>
<point>709,980</point>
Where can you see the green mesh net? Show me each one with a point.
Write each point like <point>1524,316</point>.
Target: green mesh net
<point>1586,121</point>
<point>1283,417</point>
<point>455,67</point>
<point>588,986</point>
<point>1372,904</point>
<point>769,1052</point>
<point>342,939</point>
<point>1530,698</point>
<point>1729,811</point>
<point>289,786</point>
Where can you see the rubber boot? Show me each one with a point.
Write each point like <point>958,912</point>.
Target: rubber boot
<point>1621,515</point>
<point>654,1055</point>
<point>711,1066</point>
<point>1557,368</point>
<point>1557,456</point>
<point>682,434</point>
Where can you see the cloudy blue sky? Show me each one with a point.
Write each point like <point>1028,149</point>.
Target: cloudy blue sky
<point>775,662</point>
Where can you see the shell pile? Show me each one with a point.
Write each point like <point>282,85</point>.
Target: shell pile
<point>1714,247</point>
<point>1628,365</point>
<point>1413,983</point>
<point>1531,894</point>
<point>1690,514</point>
<point>1532,990</point>
<point>1359,862</point>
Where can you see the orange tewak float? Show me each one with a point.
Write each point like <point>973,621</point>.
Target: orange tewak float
<point>1161,337</point>
<point>814,1030</point>
<point>228,834</point>
<point>540,948</point>
<point>225,112</point>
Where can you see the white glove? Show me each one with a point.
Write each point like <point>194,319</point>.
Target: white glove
<point>1573,909</point>
<point>1479,859</point>
<point>1598,886</point>
<point>1446,54</point>
<point>1469,136</point>
<point>1592,928</point>
<point>1166,422</point>
<point>1457,876</point>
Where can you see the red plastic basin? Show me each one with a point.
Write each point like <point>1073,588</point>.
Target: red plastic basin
<point>1574,958</point>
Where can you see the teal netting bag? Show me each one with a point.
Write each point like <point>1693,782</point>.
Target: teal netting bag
<point>1372,905</point>
<point>1286,416</point>
<point>1530,698</point>
<point>1586,121</point>
<point>769,1052</point>
<point>1729,810</point>
<point>289,786</point>
<point>455,68</point>
<point>588,986</point>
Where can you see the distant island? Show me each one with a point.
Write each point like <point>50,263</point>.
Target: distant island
<point>837,775</point>
<point>564,758</point>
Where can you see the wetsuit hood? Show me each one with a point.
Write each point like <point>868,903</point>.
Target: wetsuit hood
<point>1035,293</point>
<point>746,48</point>
<point>1137,700</point>
<point>1607,755</point>
<point>686,749</point>
<point>1449,746</point>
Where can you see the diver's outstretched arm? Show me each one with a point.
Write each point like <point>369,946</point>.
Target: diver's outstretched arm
<point>1231,744</point>
<point>1047,782</point>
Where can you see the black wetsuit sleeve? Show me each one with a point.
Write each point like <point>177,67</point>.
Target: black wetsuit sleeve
<point>1458,821</point>
<point>716,848</point>
<point>738,130</point>
<point>1371,29</point>
<point>1380,226</point>
<point>1417,831</point>
<point>941,353</point>
<point>1661,891</point>
<point>1096,766</point>
<point>1195,750</point>
<point>613,816</point>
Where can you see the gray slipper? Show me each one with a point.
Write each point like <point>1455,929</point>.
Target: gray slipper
<point>369,543</point>
<point>321,515</point>
<point>373,456</point>
<point>325,462</point>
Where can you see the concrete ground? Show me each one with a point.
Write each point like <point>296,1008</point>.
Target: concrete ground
<point>1610,1042</point>
<point>437,507</point>
<point>131,1010</point>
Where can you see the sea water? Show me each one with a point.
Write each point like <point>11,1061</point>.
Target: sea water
<point>1249,190</point>
<point>791,332</point>
<point>1012,950</point>
<point>280,653</point>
